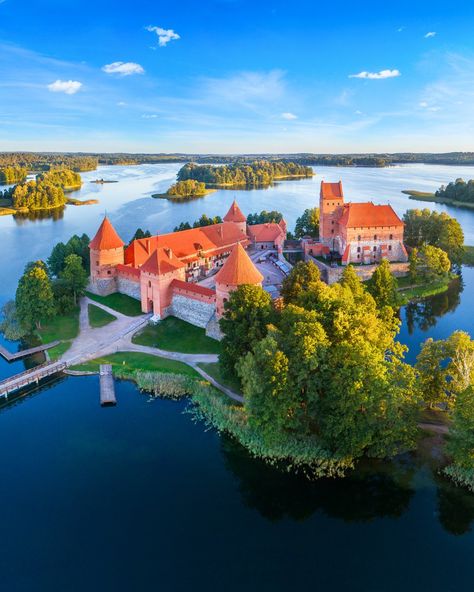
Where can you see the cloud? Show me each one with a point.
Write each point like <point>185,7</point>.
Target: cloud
<point>423,104</point>
<point>123,68</point>
<point>164,35</point>
<point>149,116</point>
<point>121,104</point>
<point>69,87</point>
<point>400,29</point>
<point>430,34</point>
<point>289,116</point>
<point>377,75</point>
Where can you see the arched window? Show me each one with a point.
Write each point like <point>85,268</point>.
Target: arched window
<point>375,237</point>
<point>390,237</point>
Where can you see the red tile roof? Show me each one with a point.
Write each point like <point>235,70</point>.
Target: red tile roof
<point>196,288</point>
<point>368,215</point>
<point>161,261</point>
<point>234,214</point>
<point>238,269</point>
<point>265,232</point>
<point>186,243</point>
<point>331,190</point>
<point>106,237</point>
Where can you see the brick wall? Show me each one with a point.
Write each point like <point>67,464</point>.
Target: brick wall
<point>195,312</point>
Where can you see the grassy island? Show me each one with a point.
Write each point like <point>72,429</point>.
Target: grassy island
<point>183,190</point>
<point>458,194</point>
<point>260,173</point>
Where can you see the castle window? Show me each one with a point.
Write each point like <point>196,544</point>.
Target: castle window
<point>358,256</point>
<point>375,248</point>
<point>97,263</point>
<point>390,237</point>
<point>332,221</point>
<point>375,237</point>
<point>389,247</point>
<point>358,249</point>
<point>108,272</point>
<point>358,238</point>
<point>149,284</point>
<point>332,231</point>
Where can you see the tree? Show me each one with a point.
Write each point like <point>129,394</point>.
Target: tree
<point>57,257</point>
<point>431,374</point>
<point>139,234</point>
<point>299,280</point>
<point>34,296</point>
<point>383,285</point>
<point>246,316</point>
<point>460,444</point>
<point>264,217</point>
<point>10,325</point>
<point>351,280</point>
<point>75,276</point>
<point>308,224</point>
<point>429,264</point>
<point>424,227</point>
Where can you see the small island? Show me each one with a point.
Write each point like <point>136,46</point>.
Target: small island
<point>183,190</point>
<point>102,181</point>
<point>458,194</point>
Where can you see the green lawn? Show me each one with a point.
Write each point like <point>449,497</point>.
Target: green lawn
<point>409,291</point>
<point>60,327</point>
<point>173,334</point>
<point>99,317</point>
<point>468,258</point>
<point>119,302</point>
<point>128,362</point>
<point>214,370</point>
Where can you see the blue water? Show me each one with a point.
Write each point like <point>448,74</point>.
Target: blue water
<point>140,497</point>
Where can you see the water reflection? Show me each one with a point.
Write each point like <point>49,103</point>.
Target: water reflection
<point>455,507</point>
<point>378,490</point>
<point>424,314</point>
<point>36,215</point>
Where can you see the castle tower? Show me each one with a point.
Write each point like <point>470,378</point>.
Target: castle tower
<point>157,274</point>
<point>331,199</point>
<point>106,252</point>
<point>235,215</point>
<point>236,271</point>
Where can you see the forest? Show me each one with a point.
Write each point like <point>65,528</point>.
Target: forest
<point>259,173</point>
<point>12,174</point>
<point>458,190</point>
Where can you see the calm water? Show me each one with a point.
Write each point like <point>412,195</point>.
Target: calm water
<point>140,497</point>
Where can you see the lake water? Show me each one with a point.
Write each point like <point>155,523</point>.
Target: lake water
<point>139,497</point>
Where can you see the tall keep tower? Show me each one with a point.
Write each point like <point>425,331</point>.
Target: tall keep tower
<point>331,199</point>
<point>106,252</point>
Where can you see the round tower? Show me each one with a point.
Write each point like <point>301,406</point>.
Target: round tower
<point>236,271</point>
<point>106,252</point>
<point>236,216</point>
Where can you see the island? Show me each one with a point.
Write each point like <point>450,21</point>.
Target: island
<point>46,192</point>
<point>103,181</point>
<point>183,190</point>
<point>259,173</point>
<point>458,194</point>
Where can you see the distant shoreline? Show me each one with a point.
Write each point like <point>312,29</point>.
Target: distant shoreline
<point>431,197</point>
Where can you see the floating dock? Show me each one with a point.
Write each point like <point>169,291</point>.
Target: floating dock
<point>107,386</point>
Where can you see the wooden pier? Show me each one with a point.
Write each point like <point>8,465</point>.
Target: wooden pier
<point>32,376</point>
<point>9,357</point>
<point>107,386</point>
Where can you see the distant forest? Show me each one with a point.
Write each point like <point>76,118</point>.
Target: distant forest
<point>81,162</point>
<point>459,191</point>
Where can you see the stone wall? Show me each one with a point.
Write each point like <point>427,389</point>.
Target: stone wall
<point>213,329</point>
<point>128,286</point>
<point>192,311</point>
<point>331,275</point>
<point>102,286</point>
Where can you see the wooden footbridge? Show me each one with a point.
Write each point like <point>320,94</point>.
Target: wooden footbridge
<point>28,377</point>
<point>9,357</point>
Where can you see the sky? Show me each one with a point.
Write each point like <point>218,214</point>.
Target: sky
<point>237,76</point>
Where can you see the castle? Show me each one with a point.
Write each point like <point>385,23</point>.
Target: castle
<point>356,232</point>
<point>161,271</point>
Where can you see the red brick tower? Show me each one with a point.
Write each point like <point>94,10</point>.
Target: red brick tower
<point>331,200</point>
<point>106,252</point>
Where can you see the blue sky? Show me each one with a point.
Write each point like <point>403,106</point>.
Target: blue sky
<point>231,76</point>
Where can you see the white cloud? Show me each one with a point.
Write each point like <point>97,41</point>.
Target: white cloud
<point>358,112</point>
<point>69,87</point>
<point>246,88</point>
<point>123,68</point>
<point>377,75</point>
<point>430,34</point>
<point>149,116</point>
<point>121,104</point>
<point>289,116</point>
<point>423,104</point>
<point>400,29</point>
<point>164,35</point>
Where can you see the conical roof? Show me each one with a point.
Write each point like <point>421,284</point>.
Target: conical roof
<point>239,269</point>
<point>234,214</point>
<point>106,237</point>
<point>161,261</point>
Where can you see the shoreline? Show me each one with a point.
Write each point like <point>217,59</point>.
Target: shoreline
<point>431,197</point>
